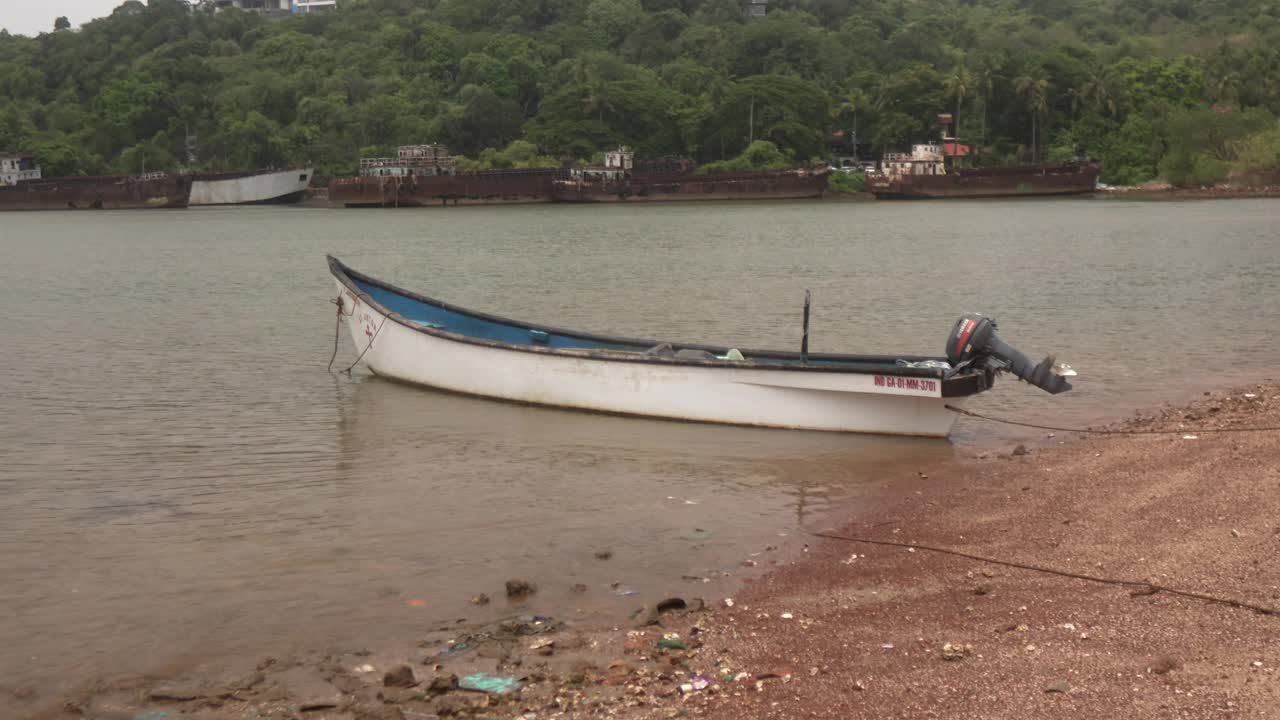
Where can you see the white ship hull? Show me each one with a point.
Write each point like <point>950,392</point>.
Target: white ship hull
<point>425,342</point>
<point>269,186</point>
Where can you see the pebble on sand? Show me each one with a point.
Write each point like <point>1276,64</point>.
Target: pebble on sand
<point>520,588</point>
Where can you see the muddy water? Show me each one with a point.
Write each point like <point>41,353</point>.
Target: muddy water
<point>181,477</point>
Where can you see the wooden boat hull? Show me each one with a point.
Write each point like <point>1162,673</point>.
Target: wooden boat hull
<point>774,391</point>
<point>156,191</point>
<point>1072,179</point>
<point>251,188</point>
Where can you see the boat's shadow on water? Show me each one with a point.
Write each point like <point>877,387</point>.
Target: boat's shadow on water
<point>461,448</point>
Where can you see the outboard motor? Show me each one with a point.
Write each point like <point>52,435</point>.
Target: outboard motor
<point>974,340</point>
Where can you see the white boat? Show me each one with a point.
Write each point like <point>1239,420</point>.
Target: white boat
<point>415,339</point>
<point>253,187</point>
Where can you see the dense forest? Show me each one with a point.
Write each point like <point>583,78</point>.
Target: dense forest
<point>1183,89</point>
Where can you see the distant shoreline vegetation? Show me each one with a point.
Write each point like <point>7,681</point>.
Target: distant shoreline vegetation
<point>1165,89</point>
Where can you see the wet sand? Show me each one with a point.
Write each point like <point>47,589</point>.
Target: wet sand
<point>842,630</point>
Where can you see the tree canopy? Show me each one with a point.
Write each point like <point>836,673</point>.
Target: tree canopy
<point>520,83</point>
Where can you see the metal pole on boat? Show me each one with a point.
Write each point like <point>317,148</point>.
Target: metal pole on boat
<point>804,340</point>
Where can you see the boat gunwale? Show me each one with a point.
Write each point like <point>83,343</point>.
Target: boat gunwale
<point>347,275</point>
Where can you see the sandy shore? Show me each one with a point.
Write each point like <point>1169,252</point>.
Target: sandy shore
<point>866,631</point>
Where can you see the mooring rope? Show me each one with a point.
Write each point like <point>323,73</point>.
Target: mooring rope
<point>1141,587</point>
<point>1093,431</point>
<point>337,326</point>
<point>366,347</point>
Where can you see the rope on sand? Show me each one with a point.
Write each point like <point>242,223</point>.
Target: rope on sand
<point>1140,587</point>
<point>1092,431</point>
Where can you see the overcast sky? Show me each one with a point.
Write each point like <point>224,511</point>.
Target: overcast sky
<point>31,17</point>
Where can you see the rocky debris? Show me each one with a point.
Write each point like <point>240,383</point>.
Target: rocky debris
<point>1166,664</point>
<point>178,692</point>
<point>517,588</point>
<point>604,554</point>
<point>400,676</point>
<point>956,651</point>
<point>647,615</point>
<point>982,589</point>
<point>1020,450</point>
<point>578,588</point>
<point>480,599</point>
<point>443,683</point>
<point>310,691</point>
<point>1058,686</point>
<point>399,695</point>
<point>670,604</point>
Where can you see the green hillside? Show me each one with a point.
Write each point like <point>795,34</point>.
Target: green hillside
<point>1174,87</point>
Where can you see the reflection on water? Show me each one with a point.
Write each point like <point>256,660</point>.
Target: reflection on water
<point>181,477</point>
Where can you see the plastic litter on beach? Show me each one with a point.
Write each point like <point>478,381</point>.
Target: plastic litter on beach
<point>672,644</point>
<point>699,534</point>
<point>366,668</point>
<point>1190,437</point>
<point>494,685</point>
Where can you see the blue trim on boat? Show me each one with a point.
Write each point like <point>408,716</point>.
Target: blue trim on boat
<point>481,328</point>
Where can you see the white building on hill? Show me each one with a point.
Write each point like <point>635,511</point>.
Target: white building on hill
<point>275,7</point>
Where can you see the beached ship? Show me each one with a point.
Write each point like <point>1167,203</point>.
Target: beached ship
<point>22,187</point>
<point>415,339</point>
<point>425,175</point>
<point>933,170</point>
<point>254,187</point>
<point>618,181</point>
<point>926,172</point>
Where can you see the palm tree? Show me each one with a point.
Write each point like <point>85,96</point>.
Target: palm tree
<point>959,84</point>
<point>1033,88</point>
<point>984,84</point>
<point>596,98</point>
<point>853,102</point>
<point>1100,90</point>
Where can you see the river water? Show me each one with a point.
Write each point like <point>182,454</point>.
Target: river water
<point>180,477</point>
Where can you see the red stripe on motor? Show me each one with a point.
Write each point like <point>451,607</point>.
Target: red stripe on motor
<point>970,326</point>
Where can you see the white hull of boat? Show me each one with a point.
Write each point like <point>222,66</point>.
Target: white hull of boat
<point>266,187</point>
<point>808,400</point>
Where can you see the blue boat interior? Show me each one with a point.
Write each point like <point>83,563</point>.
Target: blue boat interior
<point>488,328</point>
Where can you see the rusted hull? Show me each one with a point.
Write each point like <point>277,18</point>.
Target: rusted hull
<point>425,191</point>
<point>1074,179</point>
<point>98,193</point>
<point>757,186</point>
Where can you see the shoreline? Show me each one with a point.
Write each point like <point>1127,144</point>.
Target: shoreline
<point>810,637</point>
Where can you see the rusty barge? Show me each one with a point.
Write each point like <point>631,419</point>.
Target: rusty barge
<point>619,181</point>
<point>23,188</point>
<point>931,170</point>
<point>426,175</point>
